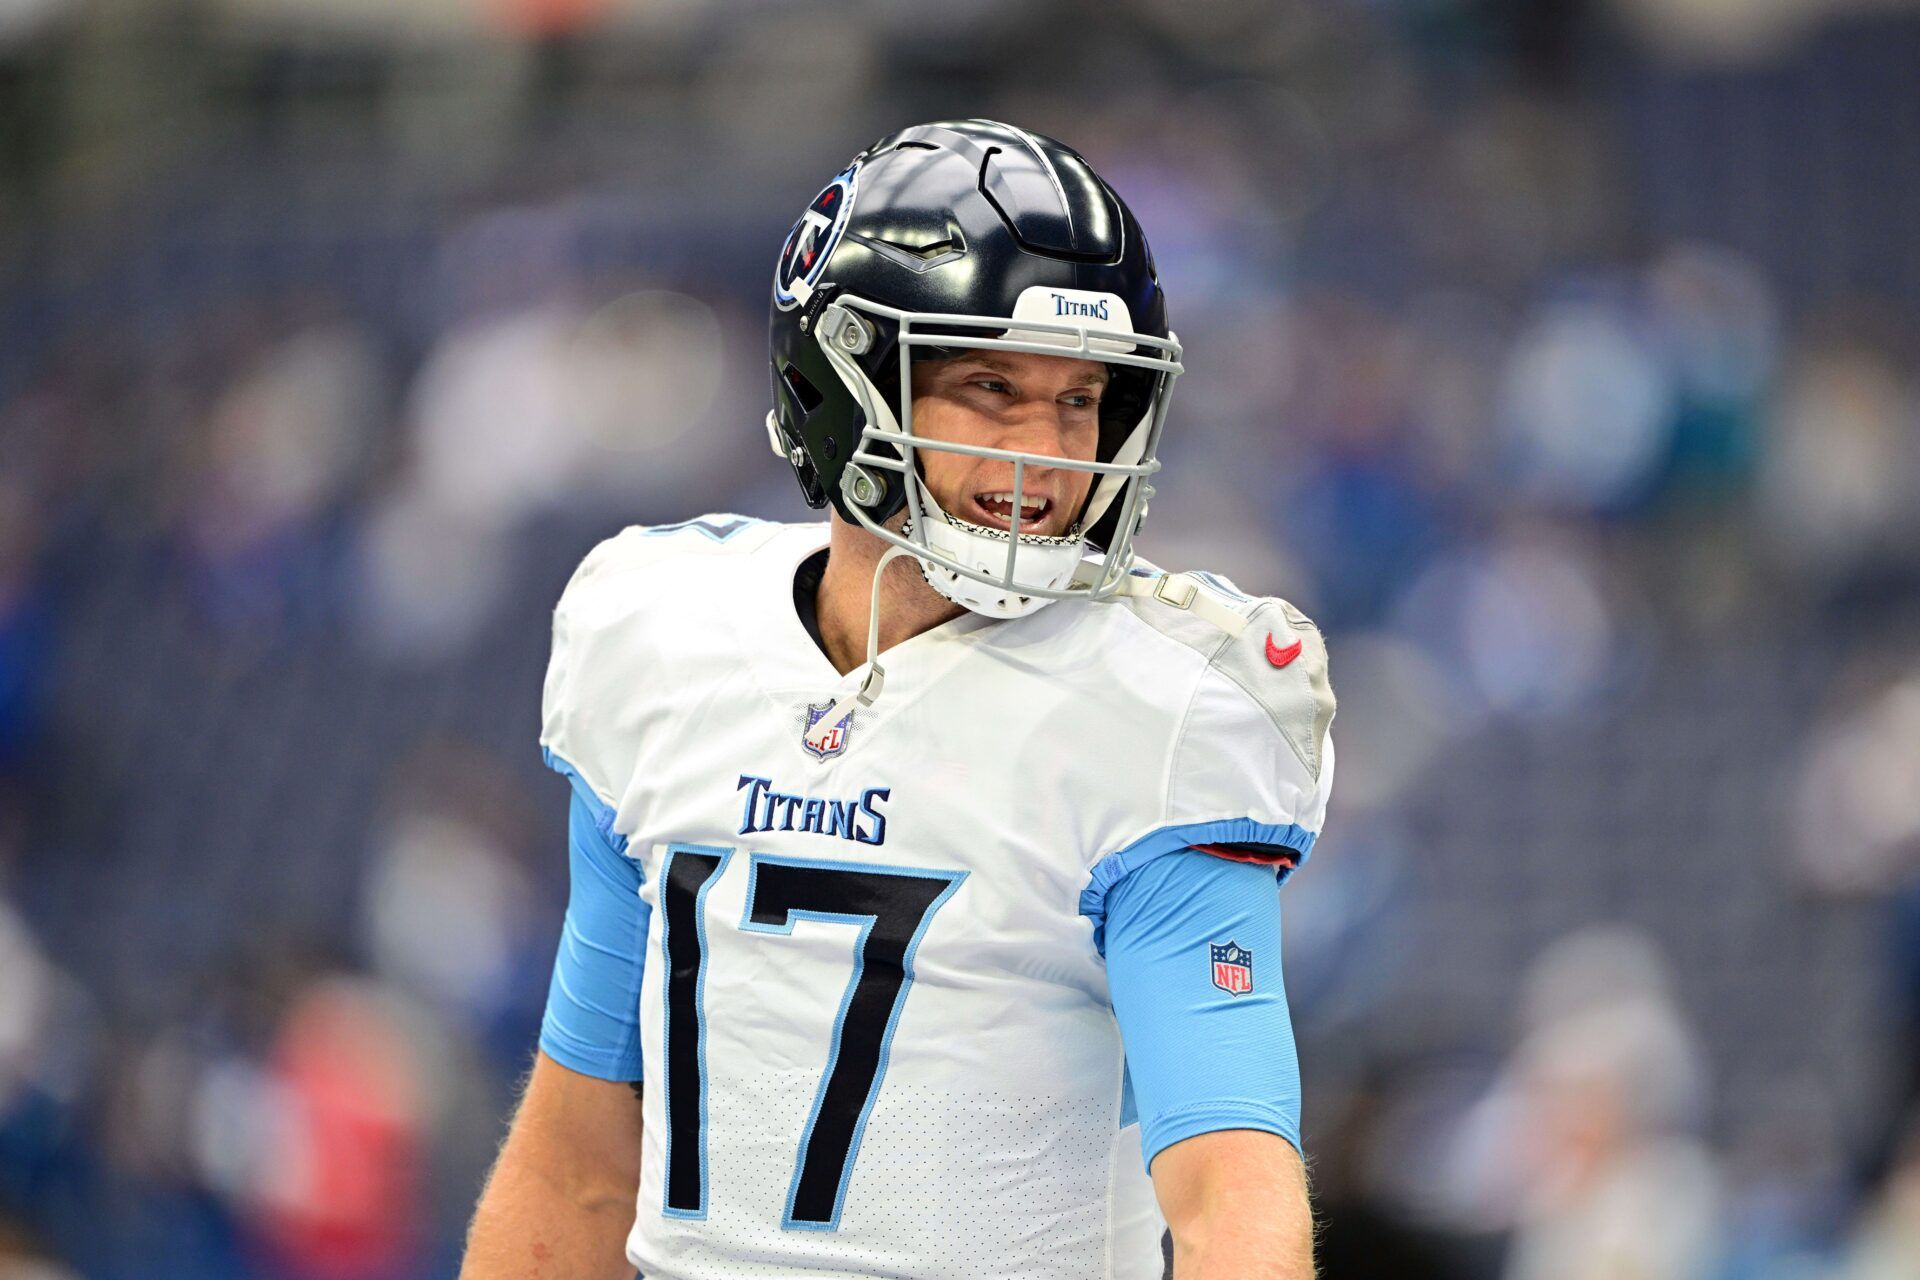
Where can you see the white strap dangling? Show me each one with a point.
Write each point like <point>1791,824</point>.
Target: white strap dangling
<point>869,690</point>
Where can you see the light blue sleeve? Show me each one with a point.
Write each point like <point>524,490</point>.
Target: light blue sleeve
<point>1199,1057</point>
<point>593,1005</point>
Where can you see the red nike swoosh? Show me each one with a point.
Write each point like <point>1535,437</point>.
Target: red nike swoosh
<point>1281,657</point>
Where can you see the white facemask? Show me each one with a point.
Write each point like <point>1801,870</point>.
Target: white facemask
<point>996,572</point>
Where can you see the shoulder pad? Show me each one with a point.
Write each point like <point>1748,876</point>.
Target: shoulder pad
<point>605,624</point>
<point>639,545</point>
<point>710,530</point>
<point>1271,650</point>
<point>1280,660</point>
<point>705,534</point>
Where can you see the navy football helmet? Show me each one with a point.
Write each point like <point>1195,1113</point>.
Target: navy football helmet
<point>968,234</point>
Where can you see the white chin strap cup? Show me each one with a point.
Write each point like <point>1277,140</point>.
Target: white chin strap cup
<point>1045,562</point>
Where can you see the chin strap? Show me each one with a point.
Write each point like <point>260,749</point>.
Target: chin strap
<point>869,689</point>
<point>1176,590</point>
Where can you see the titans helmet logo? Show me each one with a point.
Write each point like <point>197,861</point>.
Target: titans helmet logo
<point>811,242</point>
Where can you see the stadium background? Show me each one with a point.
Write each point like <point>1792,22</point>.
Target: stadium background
<point>1561,359</point>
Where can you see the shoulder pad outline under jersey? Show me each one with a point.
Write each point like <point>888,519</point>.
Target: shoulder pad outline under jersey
<point>639,545</point>
<point>1290,686</point>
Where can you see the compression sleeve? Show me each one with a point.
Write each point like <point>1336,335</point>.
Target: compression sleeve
<point>593,1005</point>
<point>1199,1057</point>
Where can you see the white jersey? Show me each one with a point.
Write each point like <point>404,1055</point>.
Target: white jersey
<point>877,1037</point>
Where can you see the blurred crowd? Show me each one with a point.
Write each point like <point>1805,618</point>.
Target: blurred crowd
<point>1570,382</point>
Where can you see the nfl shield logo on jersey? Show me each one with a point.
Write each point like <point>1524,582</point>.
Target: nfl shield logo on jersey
<point>1232,968</point>
<point>836,740</point>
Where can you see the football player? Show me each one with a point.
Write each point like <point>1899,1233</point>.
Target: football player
<point>924,917</point>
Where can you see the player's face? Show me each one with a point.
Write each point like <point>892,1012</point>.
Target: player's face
<point>1048,405</point>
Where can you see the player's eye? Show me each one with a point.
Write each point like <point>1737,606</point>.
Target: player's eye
<point>1082,400</point>
<point>994,385</point>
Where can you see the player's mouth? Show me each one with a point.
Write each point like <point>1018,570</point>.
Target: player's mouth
<point>994,509</point>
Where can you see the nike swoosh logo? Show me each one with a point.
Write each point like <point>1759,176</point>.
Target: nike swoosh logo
<point>1281,657</point>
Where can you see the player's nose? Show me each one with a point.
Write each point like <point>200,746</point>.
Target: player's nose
<point>1039,428</point>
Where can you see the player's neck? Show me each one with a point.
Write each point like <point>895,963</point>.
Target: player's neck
<point>908,606</point>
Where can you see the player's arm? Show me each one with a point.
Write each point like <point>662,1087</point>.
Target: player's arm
<point>1215,1078</point>
<point>560,1200</point>
<point>1236,1203</point>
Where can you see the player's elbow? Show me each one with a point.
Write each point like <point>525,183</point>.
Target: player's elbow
<point>600,1192</point>
<point>574,1142</point>
<point>583,1178</point>
<point>534,1173</point>
<point>1236,1204</point>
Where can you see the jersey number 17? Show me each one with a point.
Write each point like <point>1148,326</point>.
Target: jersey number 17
<point>891,907</point>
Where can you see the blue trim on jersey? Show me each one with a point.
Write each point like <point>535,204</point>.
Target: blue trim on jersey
<point>592,1019</point>
<point>1221,585</point>
<point>1111,869</point>
<point>725,854</point>
<point>866,923</point>
<point>603,815</point>
<point>1200,1059</point>
<point>712,526</point>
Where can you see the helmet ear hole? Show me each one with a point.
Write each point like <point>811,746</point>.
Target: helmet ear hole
<point>805,394</point>
<point>1129,394</point>
<point>803,398</point>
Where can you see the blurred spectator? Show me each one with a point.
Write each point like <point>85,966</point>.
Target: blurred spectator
<point>449,913</point>
<point>282,444</point>
<point>336,1190</point>
<point>1858,814</point>
<point>425,581</point>
<point>1355,504</point>
<point>534,401</point>
<point>1840,493</point>
<point>1588,407</point>
<point>1858,825</point>
<point>1715,322</point>
<point>1611,1191</point>
<point>1523,625</point>
<point>495,432</point>
<point>1585,1146</point>
<point>29,989</point>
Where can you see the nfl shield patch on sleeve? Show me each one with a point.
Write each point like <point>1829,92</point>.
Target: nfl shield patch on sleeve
<point>1232,968</point>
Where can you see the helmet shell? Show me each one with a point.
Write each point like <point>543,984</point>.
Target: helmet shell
<point>957,217</point>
